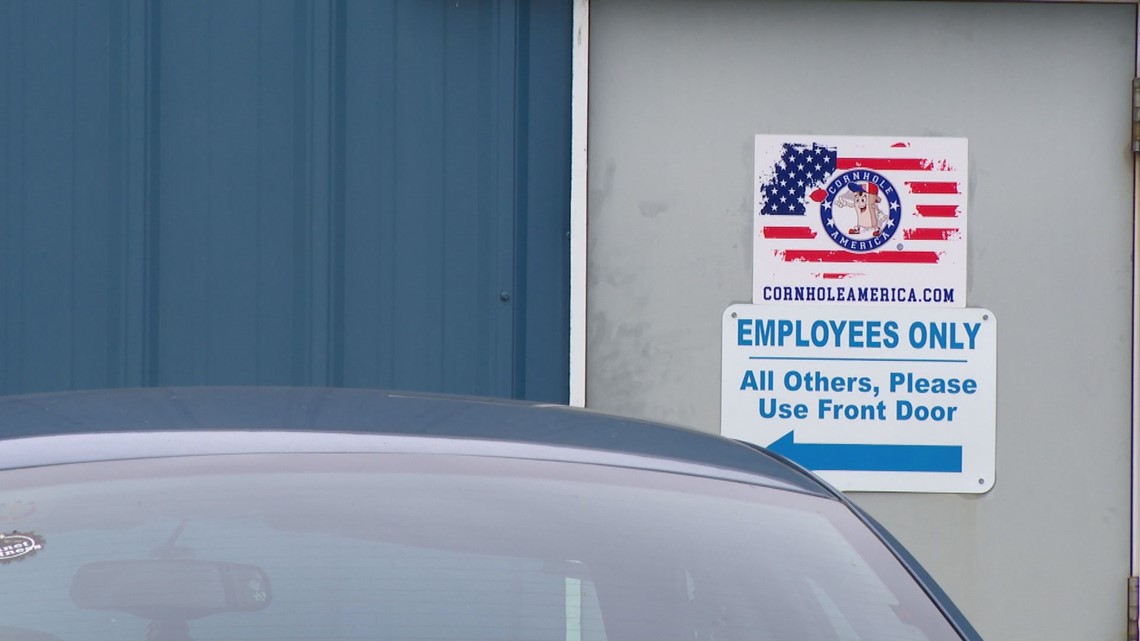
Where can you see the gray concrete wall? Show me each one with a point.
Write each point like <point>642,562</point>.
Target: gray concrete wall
<point>679,88</point>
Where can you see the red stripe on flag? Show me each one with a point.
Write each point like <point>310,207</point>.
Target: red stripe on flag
<point>824,256</point>
<point>930,233</point>
<point>920,187</point>
<point>937,211</point>
<point>897,164</point>
<point>789,232</point>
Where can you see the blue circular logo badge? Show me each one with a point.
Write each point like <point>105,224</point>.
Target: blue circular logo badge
<point>861,210</point>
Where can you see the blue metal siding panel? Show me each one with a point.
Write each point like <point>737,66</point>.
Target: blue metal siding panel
<point>479,50</point>
<point>224,223</point>
<point>9,21</point>
<point>428,233</point>
<point>127,156</point>
<point>11,173</point>
<point>92,253</point>
<point>419,204</point>
<point>47,193</point>
<point>543,351</point>
<point>60,323</point>
<point>369,250</point>
<point>279,311</point>
<point>249,215</point>
<point>327,192</point>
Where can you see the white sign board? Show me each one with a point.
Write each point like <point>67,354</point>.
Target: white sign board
<point>872,399</point>
<point>863,220</point>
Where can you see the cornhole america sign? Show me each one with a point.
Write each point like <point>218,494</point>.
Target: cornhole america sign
<point>860,220</point>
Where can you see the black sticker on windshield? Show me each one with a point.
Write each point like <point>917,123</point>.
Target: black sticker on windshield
<point>18,545</point>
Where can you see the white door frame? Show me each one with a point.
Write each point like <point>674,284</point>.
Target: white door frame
<point>1134,569</point>
<point>579,143</point>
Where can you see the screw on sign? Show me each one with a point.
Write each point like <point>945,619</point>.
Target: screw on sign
<point>17,546</point>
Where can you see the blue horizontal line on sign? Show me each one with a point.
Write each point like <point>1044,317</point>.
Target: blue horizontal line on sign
<point>859,360</point>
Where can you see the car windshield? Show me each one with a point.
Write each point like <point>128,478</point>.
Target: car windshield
<point>417,547</point>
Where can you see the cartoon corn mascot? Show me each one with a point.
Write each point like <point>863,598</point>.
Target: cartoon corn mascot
<point>865,199</point>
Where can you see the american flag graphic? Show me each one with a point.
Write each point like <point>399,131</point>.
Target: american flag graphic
<point>799,169</point>
<point>793,246</point>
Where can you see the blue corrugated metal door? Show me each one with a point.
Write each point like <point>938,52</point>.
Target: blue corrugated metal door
<point>333,192</point>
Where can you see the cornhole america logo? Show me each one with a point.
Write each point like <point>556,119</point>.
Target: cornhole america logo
<point>867,207</point>
<point>860,210</point>
<point>865,210</point>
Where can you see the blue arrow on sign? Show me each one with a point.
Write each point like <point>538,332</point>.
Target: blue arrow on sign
<point>870,458</point>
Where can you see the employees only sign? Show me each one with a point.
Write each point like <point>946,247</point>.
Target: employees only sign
<point>872,399</point>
